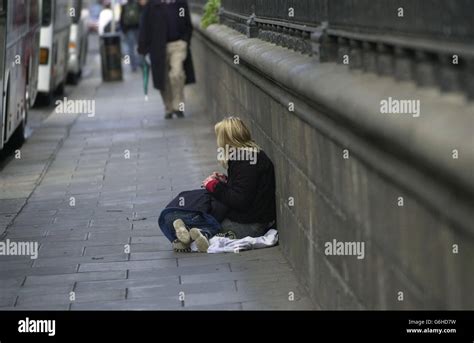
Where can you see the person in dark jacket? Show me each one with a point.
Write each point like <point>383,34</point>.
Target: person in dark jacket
<point>165,34</point>
<point>248,191</point>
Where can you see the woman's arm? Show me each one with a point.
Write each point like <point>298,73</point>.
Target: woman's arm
<point>241,188</point>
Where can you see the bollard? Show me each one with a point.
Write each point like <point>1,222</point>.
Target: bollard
<point>111,57</point>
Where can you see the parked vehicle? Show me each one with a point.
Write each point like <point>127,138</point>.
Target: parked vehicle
<point>19,57</point>
<point>78,42</point>
<point>54,47</point>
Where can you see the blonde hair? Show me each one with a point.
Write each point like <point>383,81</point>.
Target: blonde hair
<point>232,132</point>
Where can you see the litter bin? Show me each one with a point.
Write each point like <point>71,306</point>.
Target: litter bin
<point>111,57</point>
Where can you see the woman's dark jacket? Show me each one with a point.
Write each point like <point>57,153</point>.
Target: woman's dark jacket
<point>249,193</point>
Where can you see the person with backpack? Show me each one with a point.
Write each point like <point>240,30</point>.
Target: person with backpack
<point>130,23</point>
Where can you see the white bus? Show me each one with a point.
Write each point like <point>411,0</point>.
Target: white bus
<point>19,47</point>
<point>54,47</point>
<point>78,42</point>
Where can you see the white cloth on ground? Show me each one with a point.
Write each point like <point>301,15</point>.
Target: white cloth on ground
<point>226,245</point>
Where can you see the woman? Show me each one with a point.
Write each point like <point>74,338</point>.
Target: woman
<point>248,190</point>
<point>243,201</point>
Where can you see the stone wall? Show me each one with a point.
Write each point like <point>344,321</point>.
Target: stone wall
<point>347,172</point>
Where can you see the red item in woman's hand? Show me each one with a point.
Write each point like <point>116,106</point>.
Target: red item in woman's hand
<point>220,177</point>
<point>211,184</point>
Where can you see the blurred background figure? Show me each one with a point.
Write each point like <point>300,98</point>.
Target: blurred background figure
<point>94,13</point>
<point>143,2</point>
<point>130,15</point>
<point>105,18</point>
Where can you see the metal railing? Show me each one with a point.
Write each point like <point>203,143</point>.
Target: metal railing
<point>296,11</point>
<point>437,19</point>
<point>429,41</point>
<point>428,18</point>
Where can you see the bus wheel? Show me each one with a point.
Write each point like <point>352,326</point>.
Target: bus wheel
<point>73,78</point>
<point>47,99</point>
<point>61,88</point>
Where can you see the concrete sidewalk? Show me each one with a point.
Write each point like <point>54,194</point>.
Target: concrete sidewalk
<point>90,190</point>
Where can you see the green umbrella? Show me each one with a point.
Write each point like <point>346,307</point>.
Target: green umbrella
<point>146,77</point>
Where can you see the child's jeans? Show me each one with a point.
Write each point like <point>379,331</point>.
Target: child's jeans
<point>192,219</point>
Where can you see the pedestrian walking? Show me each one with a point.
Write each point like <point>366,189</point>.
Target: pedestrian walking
<point>165,34</point>
<point>130,15</point>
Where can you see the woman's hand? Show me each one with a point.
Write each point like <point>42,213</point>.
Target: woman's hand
<point>212,180</point>
<point>220,177</point>
<point>210,183</point>
<point>207,180</point>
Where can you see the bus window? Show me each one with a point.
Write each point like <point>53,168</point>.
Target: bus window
<point>34,13</point>
<point>3,32</point>
<point>19,12</point>
<point>47,12</point>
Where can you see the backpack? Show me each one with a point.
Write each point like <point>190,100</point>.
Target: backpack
<point>131,15</point>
